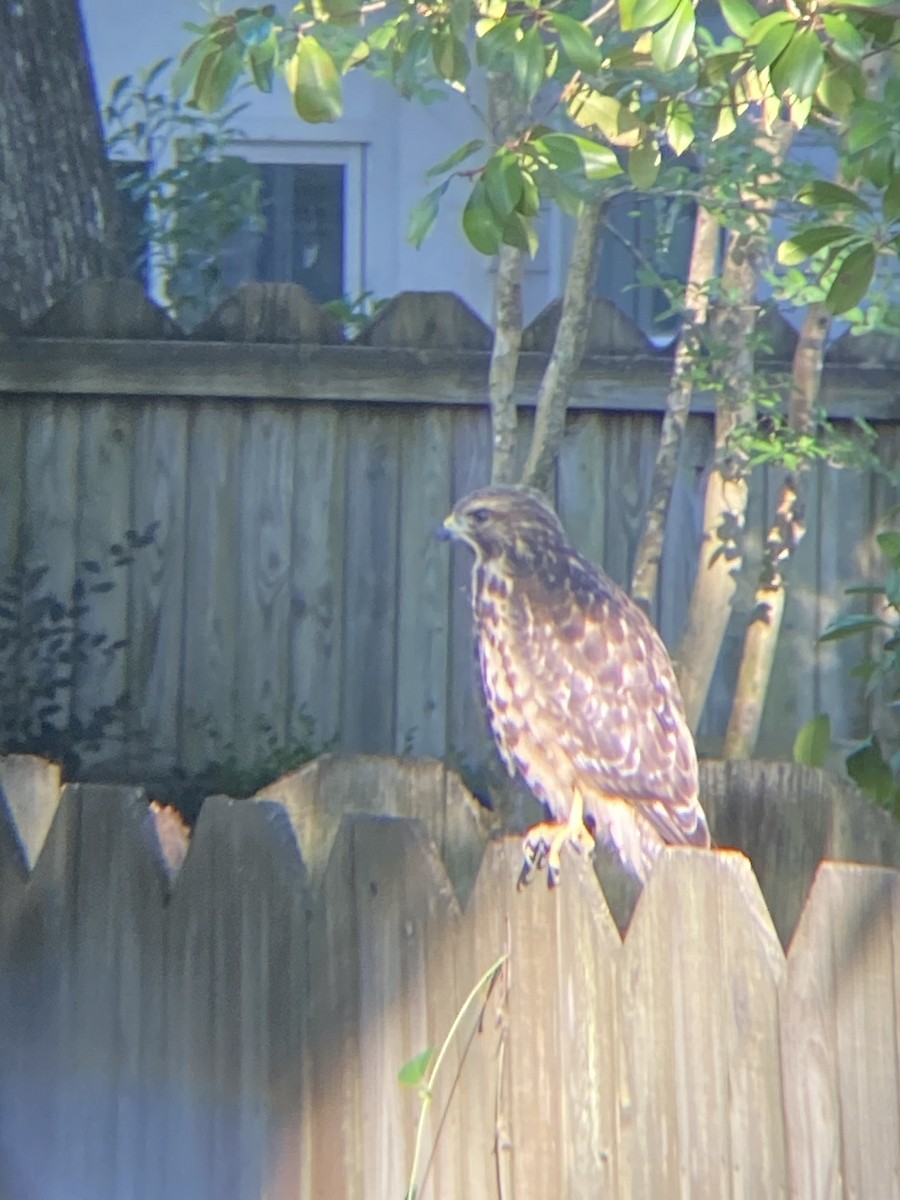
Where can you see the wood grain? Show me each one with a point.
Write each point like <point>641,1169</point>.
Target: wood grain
<point>264,598</point>
<point>423,585</point>
<point>157,582</point>
<point>238,1032</point>
<point>212,610</point>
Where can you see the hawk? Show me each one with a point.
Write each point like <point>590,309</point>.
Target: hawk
<point>580,690</point>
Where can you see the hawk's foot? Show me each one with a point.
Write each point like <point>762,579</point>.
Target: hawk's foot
<point>543,845</point>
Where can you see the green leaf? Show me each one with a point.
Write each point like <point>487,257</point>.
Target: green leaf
<point>255,29</point>
<point>773,44</point>
<point>869,771</point>
<point>529,64</point>
<point>765,25</point>
<point>518,231</point>
<point>451,59</point>
<point>503,181</point>
<point>845,37</point>
<point>577,43</point>
<point>821,194</point>
<point>411,1074</point>
<point>481,224</point>
<point>578,155</point>
<point>644,162</point>
<point>620,126</point>
<point>671,42</point>
<point>314,82</point>
<point>851,625</point>
<point>423,215</point>
<point>809,241</point>
<point>215,78</point>
<point>891,201</point>
<point>852,280</point>
<point>740,16</point>
<point>495,47</point>
<point>813,742</point>
<point>530,201</point>
<point>186,72</point>
<point>680,127</point>
<point>889,542</point>
<point>453,160</point>
<point>836,93</point>
<point>652,12</point>
<point>262,63</point>
<point>799,68</point>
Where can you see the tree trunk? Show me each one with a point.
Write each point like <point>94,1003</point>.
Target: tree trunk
<point>568,348</point>
<point>505,116</point>
<point>701,270</point>
<point>783,539</point>
<point>504,363</point>
<point>725,505</point>
<point>58,223</point>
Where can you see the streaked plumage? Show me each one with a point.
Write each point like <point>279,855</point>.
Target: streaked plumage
<point>581,693</point>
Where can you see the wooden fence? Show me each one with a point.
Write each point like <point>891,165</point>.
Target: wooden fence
<point>295,483</point>
<point>235,1030</point>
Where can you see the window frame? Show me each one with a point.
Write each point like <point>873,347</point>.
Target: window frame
<point>349,155</point>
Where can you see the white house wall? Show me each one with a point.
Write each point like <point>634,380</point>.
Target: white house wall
<point>395,141</point>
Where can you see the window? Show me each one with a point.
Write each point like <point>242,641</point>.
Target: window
<point>311,203</point>
<point>647,230</point>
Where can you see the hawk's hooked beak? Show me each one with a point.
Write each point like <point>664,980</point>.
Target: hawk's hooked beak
<point>449,529</point>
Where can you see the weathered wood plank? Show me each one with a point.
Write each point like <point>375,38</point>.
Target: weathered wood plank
<point>423,585</point>
<point>50,511</point>
<point>318,795</point>
<point>845,518</point>
<point>317,573</point>
<point>12,480</point>
<point>72,367</point>
<point>212,612</point>
<point>793,697</point>
<point>29,797</point>
<point>468,738</point>
<point>104,517</point>
<point>631,453</point>
<point>369,643</point>
<point>698,1004</point>
<point>839,1046</point>
<point>684,530</point>
<point>582,491</point>
<point>157,586</point>
<point>264,598</point>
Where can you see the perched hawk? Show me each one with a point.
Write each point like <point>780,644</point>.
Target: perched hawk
<point>581,693</point>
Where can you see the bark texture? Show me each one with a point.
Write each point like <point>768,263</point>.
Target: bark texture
<point>568,349</point>
<point>725,506</point>
<point>704,256</point>
<point>57,197</point>
<point>785,535</point>
<point>504,362</point>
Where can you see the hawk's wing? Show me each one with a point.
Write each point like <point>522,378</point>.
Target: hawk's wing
<point>602,688</point>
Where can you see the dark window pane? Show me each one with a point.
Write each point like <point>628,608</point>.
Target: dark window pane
<point>303,240</point>
<point>651,231</point>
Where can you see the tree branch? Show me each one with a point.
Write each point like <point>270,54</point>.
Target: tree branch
<point>568,348</point>
<point>701,270</point>
<point>504,363</point>
<point>785,535</point>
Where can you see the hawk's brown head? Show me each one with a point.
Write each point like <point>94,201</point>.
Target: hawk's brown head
<point>512,528</point>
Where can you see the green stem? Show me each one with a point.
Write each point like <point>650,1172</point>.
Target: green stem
<point>486,979</point>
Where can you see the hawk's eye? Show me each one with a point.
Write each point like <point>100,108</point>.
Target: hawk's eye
<point>481,515</point>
